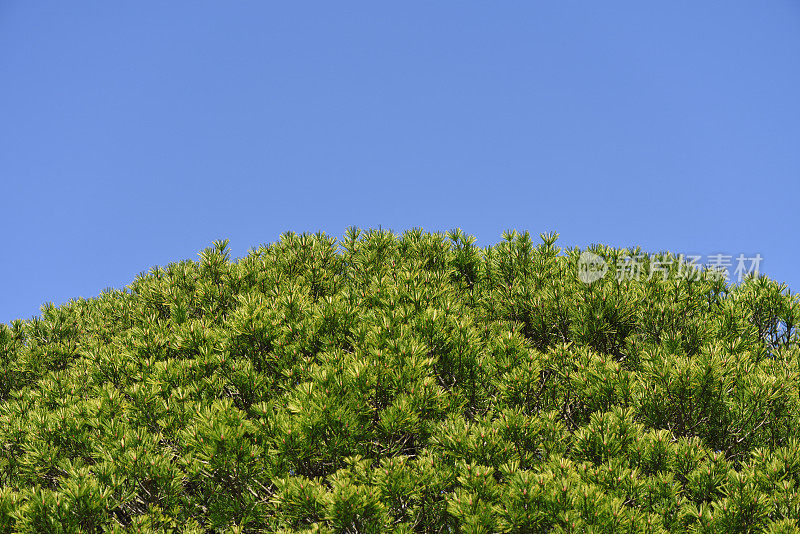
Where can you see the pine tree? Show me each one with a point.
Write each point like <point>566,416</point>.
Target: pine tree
<point>406,383</point>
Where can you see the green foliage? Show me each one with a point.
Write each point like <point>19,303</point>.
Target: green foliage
<point>411,383</point>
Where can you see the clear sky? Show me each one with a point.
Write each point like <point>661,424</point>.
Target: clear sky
<point>134,134</point>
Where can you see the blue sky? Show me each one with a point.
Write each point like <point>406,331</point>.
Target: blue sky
<point>135,134</point>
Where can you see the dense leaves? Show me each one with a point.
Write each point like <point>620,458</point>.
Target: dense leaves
<point>411,383</point>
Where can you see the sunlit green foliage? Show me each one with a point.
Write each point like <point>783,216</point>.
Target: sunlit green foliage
<point>408,383</point>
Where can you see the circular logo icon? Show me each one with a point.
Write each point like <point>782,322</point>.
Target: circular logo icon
<point>591,267</point>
